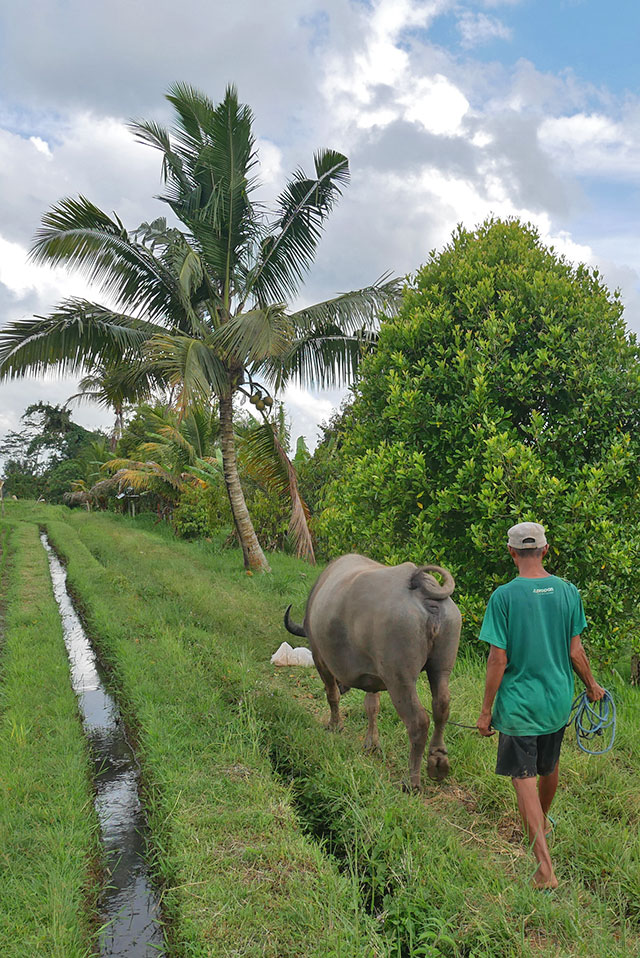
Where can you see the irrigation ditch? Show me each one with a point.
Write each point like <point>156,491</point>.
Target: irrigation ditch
<point>130,920</point>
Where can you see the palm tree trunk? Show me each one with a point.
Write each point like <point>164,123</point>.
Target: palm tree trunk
<point>254,557</point>
<point>117,427</point>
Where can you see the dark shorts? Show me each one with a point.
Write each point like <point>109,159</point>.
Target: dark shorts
<point>524,756</point>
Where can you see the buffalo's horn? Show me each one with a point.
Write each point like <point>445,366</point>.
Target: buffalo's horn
<point>431,588</point>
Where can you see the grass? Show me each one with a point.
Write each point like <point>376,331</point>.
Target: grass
<point>239,875</point>
<point>273,837</point>
<point>48,840</point>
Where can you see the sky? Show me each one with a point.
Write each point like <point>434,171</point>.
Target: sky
<point>449,111</point>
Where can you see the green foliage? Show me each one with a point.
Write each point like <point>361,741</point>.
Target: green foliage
<point>271,514</point>
<point>506,390</point>
<point>20,480</point>
<point>201,511</point>
<point>48,827</point>
<point>39,456</point>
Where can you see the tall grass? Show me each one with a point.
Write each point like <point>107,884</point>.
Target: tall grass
<point>48,830</point>
<point>239,876</point>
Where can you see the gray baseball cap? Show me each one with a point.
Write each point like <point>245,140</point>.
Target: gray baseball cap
<point>527,535</point>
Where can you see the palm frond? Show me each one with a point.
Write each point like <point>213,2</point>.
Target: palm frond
<point>191,365</point>
<point>207,163</point>
<point>266,457</point>
<point>78,335</point>
<point>250,338</point>
<point>353,311</point>
<point>76,234</point>
<point>152,134</point>
<point>209,471</point>
<point>200,428</point>
<point>115,384</point>
<point>331,338</point>
<point>288,250</point>
<point>142,476</point>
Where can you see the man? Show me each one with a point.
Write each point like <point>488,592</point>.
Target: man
<point>533,626</point>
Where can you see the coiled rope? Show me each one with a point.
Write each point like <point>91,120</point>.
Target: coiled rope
<point>593,718</point>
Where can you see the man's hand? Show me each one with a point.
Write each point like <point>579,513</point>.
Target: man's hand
<point>595,692</point>
<point>484,724</point>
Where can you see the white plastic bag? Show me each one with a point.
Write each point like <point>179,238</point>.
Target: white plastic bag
<point>288,656</point>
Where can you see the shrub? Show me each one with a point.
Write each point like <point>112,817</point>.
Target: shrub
<point>201,512</point>
<point>507,389</point>
<point>270,514</point>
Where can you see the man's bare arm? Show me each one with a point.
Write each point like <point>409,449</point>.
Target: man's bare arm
<point>581,667</point>
<point>496,664</point>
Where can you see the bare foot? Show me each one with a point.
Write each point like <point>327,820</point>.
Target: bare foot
<point>543,880</point>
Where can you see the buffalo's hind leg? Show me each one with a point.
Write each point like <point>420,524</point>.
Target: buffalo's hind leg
<point>438,761</point>
<point>372,707</point>
<point>413,714</point>
<point>332,691</point>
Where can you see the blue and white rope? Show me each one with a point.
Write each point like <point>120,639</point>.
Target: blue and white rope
<point>593,718</point>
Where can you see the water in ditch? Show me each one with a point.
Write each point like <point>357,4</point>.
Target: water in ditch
<point>129,906</point>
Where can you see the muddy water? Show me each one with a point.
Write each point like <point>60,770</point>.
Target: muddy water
<point>130,915</point>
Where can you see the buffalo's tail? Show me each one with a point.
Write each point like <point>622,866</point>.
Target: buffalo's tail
<point>430,586</point>
<point>292,627</point>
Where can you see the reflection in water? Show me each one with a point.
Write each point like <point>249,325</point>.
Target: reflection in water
<point>129,906</point>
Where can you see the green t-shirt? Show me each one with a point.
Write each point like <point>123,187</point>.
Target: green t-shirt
<point>534,620</point>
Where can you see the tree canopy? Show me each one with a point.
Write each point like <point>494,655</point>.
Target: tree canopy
<point>507,389</point>
<point>40,457</point>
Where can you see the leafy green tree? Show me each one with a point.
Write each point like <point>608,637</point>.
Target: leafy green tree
<point>204,305</point>
<point>38,454</point>
<point>507,389</point>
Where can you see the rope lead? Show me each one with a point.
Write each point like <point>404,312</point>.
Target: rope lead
<point>593,718</point>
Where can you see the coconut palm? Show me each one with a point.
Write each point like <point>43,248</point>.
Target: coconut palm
<point>204,305</point>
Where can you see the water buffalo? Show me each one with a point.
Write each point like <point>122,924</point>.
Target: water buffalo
<point>376,627</point>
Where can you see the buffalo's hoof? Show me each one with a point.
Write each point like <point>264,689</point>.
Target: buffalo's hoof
<point>438,764</point>
<point>371,748</point>
<point>335,727</point>
<point>410,789</point>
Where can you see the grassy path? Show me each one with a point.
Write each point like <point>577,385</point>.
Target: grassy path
<point>458,845</point>
<point>48,837</point>
<point>188,637</point>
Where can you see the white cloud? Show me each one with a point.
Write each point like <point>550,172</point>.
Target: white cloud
<point>436,104</point>
<point>591,143</point>
<point>41,145</point>
<point>477,28</point>
<point>22,277</point>
<point>355,78</point>
<point>307,411</point>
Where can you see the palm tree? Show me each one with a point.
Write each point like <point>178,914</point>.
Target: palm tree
<point>204,305</point>
<point>115,385</point>
<point>175,454</point>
